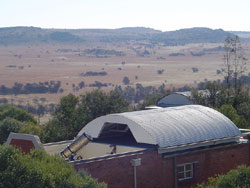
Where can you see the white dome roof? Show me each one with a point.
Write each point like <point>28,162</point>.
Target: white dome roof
<point>167,127</point>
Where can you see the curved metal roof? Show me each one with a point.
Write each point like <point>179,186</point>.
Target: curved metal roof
<point>173,126</point>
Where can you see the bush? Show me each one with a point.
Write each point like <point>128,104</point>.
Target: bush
<point>30,129</point>
<point>160,71</point>
<point>16,113</point>
<point>73,113</point>
<point>195,69</point>
<point>126,80</point>
<point>238,178</point>
<point>8,125</point>
<point>229,111</point>
<point>13,119</point>
<point>39,170</point>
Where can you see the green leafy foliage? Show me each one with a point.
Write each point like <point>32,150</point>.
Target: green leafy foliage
<point>53,131</point>
<point>40,170</point>
<point>244,110</point>
<point>30,128</point>
<point>236,106</point>
<point>73,113</point>
<point>238,178</point>
<point>16,113</point>
<point>8,125</point>
<point>13,119</point>
<point>229,111</point>
<point>152,100</point>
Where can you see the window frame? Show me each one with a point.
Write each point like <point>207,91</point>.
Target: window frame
<point>185,171</point>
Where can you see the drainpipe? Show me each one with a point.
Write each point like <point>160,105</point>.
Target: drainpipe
<point>175,174</point>
<point>135,163</point>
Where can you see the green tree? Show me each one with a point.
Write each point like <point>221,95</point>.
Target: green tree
<point>229,111</point>
<point>40,170</point>
<point>73,113</point>
<point>98,103</point>
<point>244,110</point>
<point>30,128</point>
<point>16,113</point>
<point>53,131</point>
<point>8,125</point>
<point>126,80</point>
<point>66,109</point>
<point>152,100</point>
<point>237,178</point>
<point>13,119</point>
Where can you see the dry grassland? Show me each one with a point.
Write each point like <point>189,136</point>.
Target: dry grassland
<point>40,63</point>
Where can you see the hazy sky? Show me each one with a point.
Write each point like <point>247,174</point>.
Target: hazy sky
<point>164,15</point>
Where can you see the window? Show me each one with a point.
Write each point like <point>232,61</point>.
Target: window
<point>114,130</point>
<point>185,171</point>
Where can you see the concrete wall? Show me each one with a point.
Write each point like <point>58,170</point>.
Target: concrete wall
<point>157,171</point>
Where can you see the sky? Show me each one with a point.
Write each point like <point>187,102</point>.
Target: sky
<point>164,15</point>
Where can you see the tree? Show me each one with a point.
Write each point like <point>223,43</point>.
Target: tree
<point>8,125</point>
<point>73,113</point>
<point>30,128</point>
<point>16,113</point>
<point>40,170</point>
<point>126,80</point>
<point>13,119</point>
<point>66,108</point>
<point>234,63</point>
<point>98,103</point>
<point>237,178</point>
<point>152,100</point>
<point>244,110</point>
<point>66,114</point>
<point>54,131</point>
<point>229,111</point>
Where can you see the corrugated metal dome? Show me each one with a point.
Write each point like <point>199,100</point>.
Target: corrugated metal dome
<point>168,127</point>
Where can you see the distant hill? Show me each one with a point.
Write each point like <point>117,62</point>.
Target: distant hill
<point>193,35</point>
<point>244,35</point>
<point>30,35</point>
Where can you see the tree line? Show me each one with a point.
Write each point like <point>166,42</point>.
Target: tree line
<point>30,88</point>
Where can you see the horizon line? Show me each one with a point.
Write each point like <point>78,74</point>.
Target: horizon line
<point>121,28</point>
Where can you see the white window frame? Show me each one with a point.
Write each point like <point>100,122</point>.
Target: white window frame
<point>185,171</point>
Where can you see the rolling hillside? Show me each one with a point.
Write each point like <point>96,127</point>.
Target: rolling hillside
<point>30,35</point>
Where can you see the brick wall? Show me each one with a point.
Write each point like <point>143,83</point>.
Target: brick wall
<point>118,172</point>
<point>24,145</point>
<point>157,171</point>
<point>214,161</point>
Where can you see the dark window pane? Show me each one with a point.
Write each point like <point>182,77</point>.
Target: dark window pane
<point>188,167</point>
<point>189,174</point>
<point>180,169</point>
<point>181,176</point>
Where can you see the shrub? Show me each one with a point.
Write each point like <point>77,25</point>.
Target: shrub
<point>238,178</point>
<point>195,69</point>
<point>8,125</point>
<point>40,170</point>
<point>126,80</point>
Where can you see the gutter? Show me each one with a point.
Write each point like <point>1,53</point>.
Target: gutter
<point>162,150</point>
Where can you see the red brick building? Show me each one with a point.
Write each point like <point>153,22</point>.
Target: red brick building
<point>168,147</point>
<point>161,171</point>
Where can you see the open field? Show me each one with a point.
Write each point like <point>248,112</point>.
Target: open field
<point>141,64</point>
